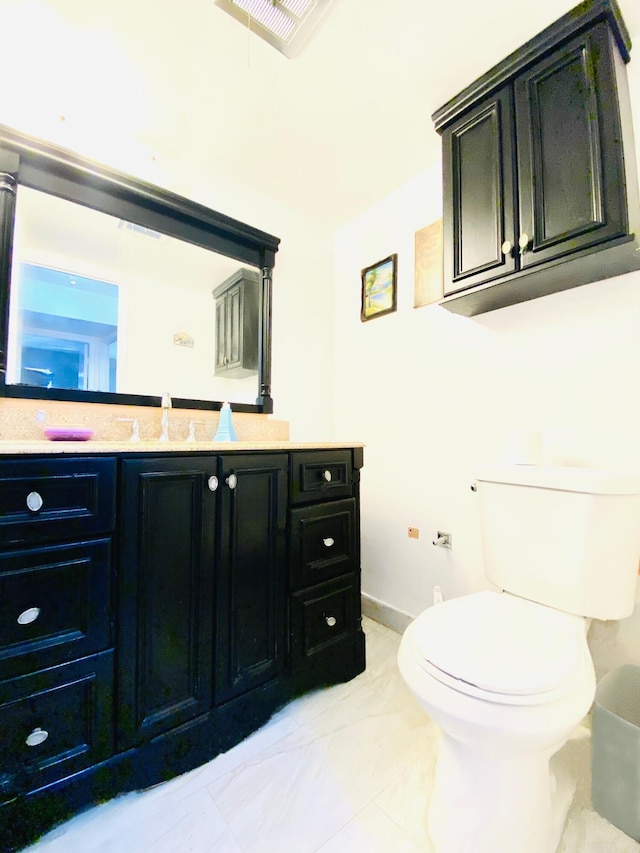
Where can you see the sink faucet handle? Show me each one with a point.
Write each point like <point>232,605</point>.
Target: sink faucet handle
<point>166,400</point>
<point>192,429</point>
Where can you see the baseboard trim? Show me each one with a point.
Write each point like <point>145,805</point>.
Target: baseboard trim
<point>385,614</point>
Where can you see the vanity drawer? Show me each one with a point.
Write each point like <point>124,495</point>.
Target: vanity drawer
<point>55,722</point>
<point>321,475</point>
<point>52,498</point>
<point>54,605</point>
<point>323,542</point>
<point>324,616</point>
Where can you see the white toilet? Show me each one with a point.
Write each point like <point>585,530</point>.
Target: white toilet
<point>507,676</point>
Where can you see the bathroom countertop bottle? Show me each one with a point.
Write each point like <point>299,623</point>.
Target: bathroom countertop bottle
<point>225,432</point>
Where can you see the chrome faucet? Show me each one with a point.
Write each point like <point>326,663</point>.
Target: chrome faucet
<point>166,405</point>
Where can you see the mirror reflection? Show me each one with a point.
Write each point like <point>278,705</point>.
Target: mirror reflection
<point>101,304</point>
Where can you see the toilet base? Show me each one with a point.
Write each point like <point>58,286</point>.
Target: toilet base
<point>483,804</point>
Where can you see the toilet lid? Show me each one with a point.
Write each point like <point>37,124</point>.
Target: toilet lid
<point>499,643</point>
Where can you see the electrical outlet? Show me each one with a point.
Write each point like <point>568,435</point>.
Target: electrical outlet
<point>414,533</point>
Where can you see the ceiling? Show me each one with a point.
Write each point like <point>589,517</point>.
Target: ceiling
<point>327,133</point>
<point>349,120</point>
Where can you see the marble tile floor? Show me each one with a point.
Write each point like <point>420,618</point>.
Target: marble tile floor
<point>343,770</point>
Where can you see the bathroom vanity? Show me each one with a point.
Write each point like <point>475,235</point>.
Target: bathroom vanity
<point>158,601</point>
<point>157,608</point>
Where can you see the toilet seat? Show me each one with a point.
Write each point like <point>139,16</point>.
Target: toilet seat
<point>500,648</point>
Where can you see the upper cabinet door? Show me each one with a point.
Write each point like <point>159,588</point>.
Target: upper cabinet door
<point>478,161</point>
<point>570,161</point>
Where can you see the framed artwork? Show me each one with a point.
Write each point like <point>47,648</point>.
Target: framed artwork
<point>379,288</point>
<point>428,281</point>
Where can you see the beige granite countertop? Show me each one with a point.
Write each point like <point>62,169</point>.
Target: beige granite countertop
<point>13,447</point>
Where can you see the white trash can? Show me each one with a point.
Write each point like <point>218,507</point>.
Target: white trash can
<point>615,749</point>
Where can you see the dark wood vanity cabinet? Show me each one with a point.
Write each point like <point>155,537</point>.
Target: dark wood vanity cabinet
<point>201,585</point>
<point>324,565</point>
<point>237,323</point>
<point>57,518</point>
<point>155,609</point>
<point>540,188</point>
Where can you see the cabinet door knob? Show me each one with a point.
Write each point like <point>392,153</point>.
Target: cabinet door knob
<point>331,621</point>
<point>29,615</point>
<point>34,501</point>
<point>328,541</point>
<point>506,247</point>
<point>326,476</point>
<point>212,482</point>
<point>232,481</point>
<point>37,737</point>
<point>523,242</point>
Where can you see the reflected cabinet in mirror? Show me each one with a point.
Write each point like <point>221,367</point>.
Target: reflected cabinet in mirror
<point>112,290</point>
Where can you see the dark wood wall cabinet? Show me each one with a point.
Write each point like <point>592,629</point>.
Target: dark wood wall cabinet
<point>155,609</point>
<point>237,322</point>
<point>540,182</point>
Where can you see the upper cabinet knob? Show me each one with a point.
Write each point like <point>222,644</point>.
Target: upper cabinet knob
<point>507,246</point>
<point>326,476</point>
<point>523,242</point>
<point>34,501</point>
<point>232,481</point>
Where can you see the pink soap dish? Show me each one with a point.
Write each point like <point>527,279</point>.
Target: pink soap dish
<point>68,433</point>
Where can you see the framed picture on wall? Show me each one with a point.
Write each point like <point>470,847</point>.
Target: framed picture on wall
<point>379,286</point>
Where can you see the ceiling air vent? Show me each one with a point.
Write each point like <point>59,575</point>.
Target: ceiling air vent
<point>285,24</point>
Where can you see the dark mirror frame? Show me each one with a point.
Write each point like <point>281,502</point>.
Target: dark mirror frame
<point>43,166</point>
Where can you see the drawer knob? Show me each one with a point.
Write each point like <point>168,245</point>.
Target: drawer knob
<point>326,476</point>
<point>34,501</point>
<point>330,620</point>
<point>212,482</point>
<point>329,542</point>
<point>37,737</point>
<point>28,616</point>
<point>232,481</point>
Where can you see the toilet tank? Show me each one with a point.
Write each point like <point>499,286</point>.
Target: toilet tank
<point>565,537</point>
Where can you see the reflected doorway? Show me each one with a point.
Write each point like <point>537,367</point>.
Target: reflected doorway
<point>67,330</point>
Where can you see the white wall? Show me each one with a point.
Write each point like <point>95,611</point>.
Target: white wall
<point>95,78</point>
<point>434,395</point>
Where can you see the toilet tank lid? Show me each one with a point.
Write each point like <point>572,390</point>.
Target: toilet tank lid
<point>595,481</point>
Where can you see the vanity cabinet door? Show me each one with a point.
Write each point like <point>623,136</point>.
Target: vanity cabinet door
<point>250,583</point>
<point>165,586</point>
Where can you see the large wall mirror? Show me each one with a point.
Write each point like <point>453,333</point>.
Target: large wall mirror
<point>112,290</point>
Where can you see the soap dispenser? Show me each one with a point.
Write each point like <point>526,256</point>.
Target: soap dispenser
<point>225,431</point>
